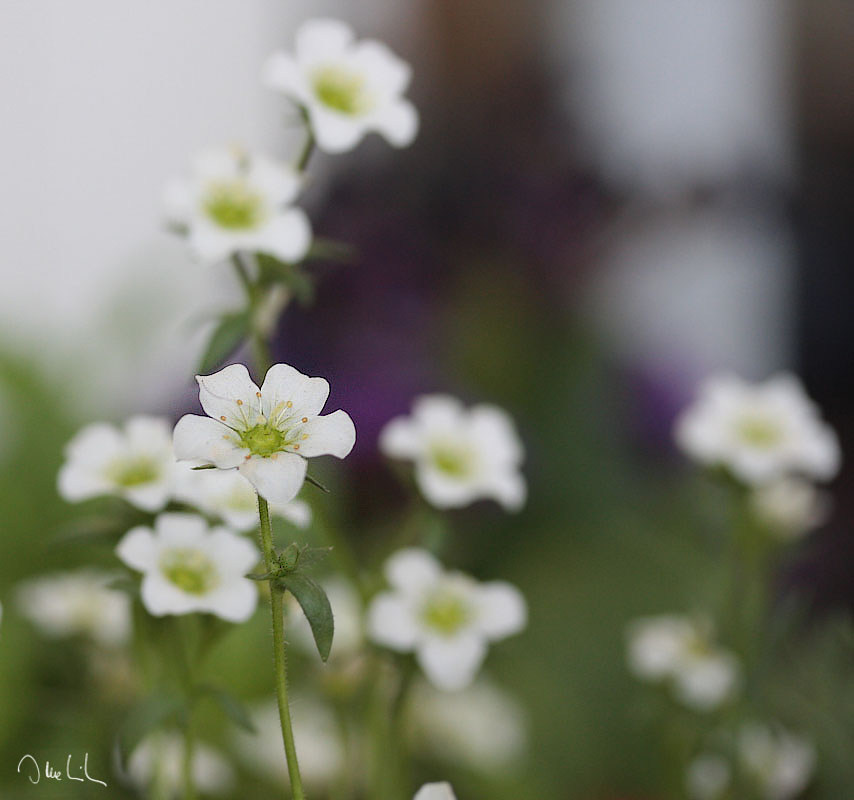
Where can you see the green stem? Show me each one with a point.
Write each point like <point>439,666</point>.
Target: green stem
<point>308,147</point>
<point>279,658</point>
<point>189,751</point>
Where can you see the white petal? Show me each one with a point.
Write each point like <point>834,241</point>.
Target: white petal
<point>287,236</point>
<point>149,496</point>
<point>493,429</point>
<point>335,133</point>
<point>412,570</point>
<point>160,597</point>
<point>232,553</point>
<point>452,663</point>
<point>147,434</point>
<point>322,38</point>
<point>277,479</point>
<point>283,384</point>
<point>205,440</point>
<point>443,490</point>
<point>281,72</point>
<point>279,183</point>
<point>333,435</point>
<point>398,122</point>
<point>386,73</point>
<point>77,482</point>
<point>401,438</point>
<point>234,601</point>
<point>95,445</point>
<point>230,396</point>
<point>178,202</point>
<point>217,163</point>
<point>502,610</point>
<point>508,487</point>
<point>138,549</point>
<point>391,622</point>
<point>297,512</point>
<point>211,244</point>
<point>178,529</point>
<point>435,791</point>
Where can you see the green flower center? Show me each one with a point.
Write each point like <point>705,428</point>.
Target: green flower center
<point>759,432</point>
<point>190,570</point>
<point>128,473</point>
<point>234,205</point>
<point>445,613</point>
<point>341,90</point>
<point>264,440</point>
<point>453,460</point>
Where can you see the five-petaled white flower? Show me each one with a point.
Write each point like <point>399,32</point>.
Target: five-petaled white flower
<point>447,618</point>
<point>435,791</point>
<point>759,432</point>
<point>460,455</point>
<point>134,463</point>
<point>230,497</point>
<point>790,507</point>
<point>679,650</point>
<point>237,202</point>
<point>190,568</point>
<point>780,764</point>
<point>267,433</point>
<point>347,88</point>
<point>74,603</point>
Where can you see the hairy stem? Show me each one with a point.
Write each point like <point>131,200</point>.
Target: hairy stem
<point>279,658</point>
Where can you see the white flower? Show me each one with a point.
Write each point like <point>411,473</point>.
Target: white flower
<point>190,568</point>
<point>435,791</point>
<point>229,496</point>
<point>780,763</point>
<point>158,762</point>
<point>447,618</point>
<point>319,745</point>
<point>266,433</point>
<point>73,603</point>
<point>460,454</point>
<point>134,463</point>
<point>760,432</point>
<point>790,507</point>
<point>347,88</point>
<point>680,651</point>
<point>708,777</point>
<point>347,611</point>
<point>480,726</point>
<point>236,202</point>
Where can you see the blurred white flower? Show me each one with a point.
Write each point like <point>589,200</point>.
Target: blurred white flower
<point>229,496</point>
<point>77,603</point>
<point>347,611</point>
<point>188,567</point>
<point>134,463</point>
<point>435,791</point>
<point>760,432</point>
<point>679,650</point>
<point>460,455</point>
<point>266,433</point>
<point>236,201</point>
<point>447,618</point>
<point>708,777</point>
<point>320,749</point>
<point>790,507</point>
<point>481,726</point>
<point>780,763</point>
<point>347,88</point>
<point>156,765</point>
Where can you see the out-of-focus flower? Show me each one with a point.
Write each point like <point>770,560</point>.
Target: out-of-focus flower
<point>229,496</point>
<point>447,618</point>
<point>190,568</point>
<point>77,603</point>
<point>481,726</point>
<point>708,777</point>
<point>790,507</point>
<point>236,201</point>
<point>780,763</point>
<point>435,791</point>
<point>460,455</point>
<point>134,463</point>
<point>157,764</point>
<point>266,433</point>
<point>347,88</point>
<point>680,651</point>
<point>318,742</point>
<point>759,432</point>
<point>347,611</point>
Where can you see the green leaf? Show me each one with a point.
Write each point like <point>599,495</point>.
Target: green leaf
<point>290,275</point>
<point>234,709</point>
<point>315,605</point>
<point>311,555</point>
<point>316,483</point>
<point>261,576</point>
<point>205,466</point>
<point>146,716</point>
<point>232,329</point>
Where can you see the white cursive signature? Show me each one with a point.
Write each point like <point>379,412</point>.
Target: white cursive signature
<point>54,774</point>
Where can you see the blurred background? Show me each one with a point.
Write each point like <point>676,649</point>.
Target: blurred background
<point>607,201</point>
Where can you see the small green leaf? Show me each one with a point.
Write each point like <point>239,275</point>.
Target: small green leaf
<point>234,709</point>
<point>311,555</point>
<point>232,329</point>
<point>317,483</point>
<point>205,466</point>
<point>290,275</point>
<point>261,576</point>
<point>315,605</point>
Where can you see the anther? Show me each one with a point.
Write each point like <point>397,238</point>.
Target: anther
<point>257,394</point>
<point>305,419</point>
<point>305,436</point>
<point>240,402</point>
<point>289,404</point>
<point>296,447</point>
<point>223,417</point>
